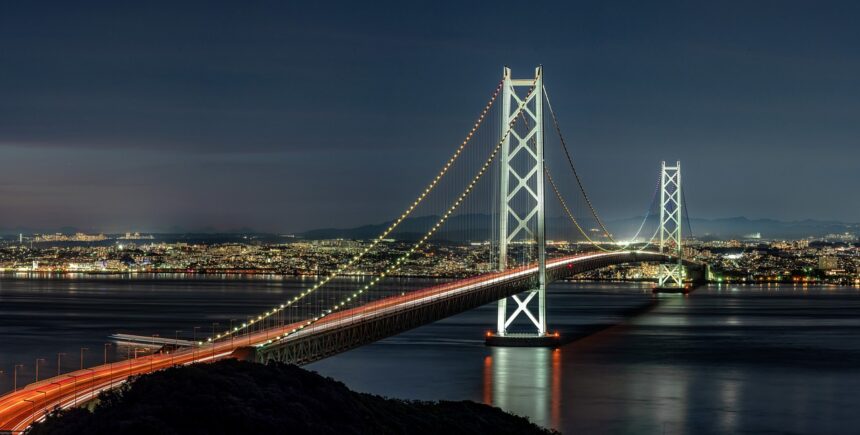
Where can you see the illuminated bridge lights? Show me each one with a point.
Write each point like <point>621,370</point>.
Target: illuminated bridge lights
<point>415,203</point>
<point>447,214</point>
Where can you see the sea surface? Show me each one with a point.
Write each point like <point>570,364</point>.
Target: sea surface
<point>725,359</point>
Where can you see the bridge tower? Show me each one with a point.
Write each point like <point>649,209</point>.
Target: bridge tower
<point>521,205</point>
<point>671,278</point>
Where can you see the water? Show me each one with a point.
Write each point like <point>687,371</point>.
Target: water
<point>736,359</point>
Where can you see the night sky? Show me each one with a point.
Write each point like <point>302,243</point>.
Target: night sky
<point>285,116</point>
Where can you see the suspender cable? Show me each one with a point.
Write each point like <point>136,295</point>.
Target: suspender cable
<point>420,242</point>
<point>573,168</point>
<point>394,225</point>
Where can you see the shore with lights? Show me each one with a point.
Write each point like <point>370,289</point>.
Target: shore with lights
<point>140,256</point>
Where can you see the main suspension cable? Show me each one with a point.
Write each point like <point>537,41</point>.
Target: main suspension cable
<point>686,214</point>
<point>396,265</point>
<point>573,168</point>
<point>651,240</point>
<point>385,233</point>
<point>575,222</point>
<point>568,213</point>
<point>648,214</point>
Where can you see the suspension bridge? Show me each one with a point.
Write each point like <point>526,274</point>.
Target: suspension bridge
<point>491,194</point>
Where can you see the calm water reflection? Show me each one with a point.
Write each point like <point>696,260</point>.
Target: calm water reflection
<point>723,360</point>
<point>770,359</point>
<point>525,382</point>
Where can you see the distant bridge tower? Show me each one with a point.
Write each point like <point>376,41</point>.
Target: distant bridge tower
<point>521,206</point>
<point>671,275</point>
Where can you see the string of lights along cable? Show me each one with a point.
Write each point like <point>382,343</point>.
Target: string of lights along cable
<point>397,263</point>
<point>340,270</point>
<point>525,256</point>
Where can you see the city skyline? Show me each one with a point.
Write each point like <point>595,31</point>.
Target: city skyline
<point>153,118</point>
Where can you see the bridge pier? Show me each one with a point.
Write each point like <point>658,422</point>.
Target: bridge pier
<point>696,276</point>
<point>523,340</point>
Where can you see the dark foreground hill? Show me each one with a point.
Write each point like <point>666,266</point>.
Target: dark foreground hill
<point>232,397</point>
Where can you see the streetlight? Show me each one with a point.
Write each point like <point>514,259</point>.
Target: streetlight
<point>34,406</point>
<point>152,354</point>
<point>130,361</point>
<point>83,349</point>
<point>15,377</point>
<point>75,377</point>
<point>194,345</point>
<point>59,355</point>
<point>175,346</point>
<point>110,367</point>
<point>38,360</point>
<point>214,324</point>
<point>45,401</point>
<point>92,379</point>
<point>59,389</point>
<point>76,383</point>
<point>232,334</point>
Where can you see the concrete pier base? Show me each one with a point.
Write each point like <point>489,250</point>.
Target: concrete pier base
<point>523,340</point>
<point>674,290</point>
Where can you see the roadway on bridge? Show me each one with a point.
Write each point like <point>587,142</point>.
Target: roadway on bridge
<point>19,409</point>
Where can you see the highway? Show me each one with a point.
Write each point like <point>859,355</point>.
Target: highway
<point>19,409</point>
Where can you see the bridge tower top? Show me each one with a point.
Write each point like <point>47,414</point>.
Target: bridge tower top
<point>670,208</point>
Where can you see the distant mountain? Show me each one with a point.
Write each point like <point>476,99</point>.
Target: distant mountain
<point>479,227</point>
<point>459,228</point>
<point>742,227</point>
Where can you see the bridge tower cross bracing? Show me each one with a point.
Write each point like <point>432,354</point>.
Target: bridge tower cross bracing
<point>522,145</point>
<point>671,275</point>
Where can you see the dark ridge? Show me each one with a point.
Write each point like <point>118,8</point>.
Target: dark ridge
<point>477,227</point>
<point>233,397</point>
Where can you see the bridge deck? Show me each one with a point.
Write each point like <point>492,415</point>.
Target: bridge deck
<point>332,334</point>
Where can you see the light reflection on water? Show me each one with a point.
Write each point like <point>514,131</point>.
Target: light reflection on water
<point>526,382</point>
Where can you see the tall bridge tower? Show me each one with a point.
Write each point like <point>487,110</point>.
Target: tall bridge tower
<point>671,278</point>
<point>521,205</point>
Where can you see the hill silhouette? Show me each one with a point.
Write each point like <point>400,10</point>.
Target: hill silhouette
<point>234,397</point>
<point>479,227</point>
